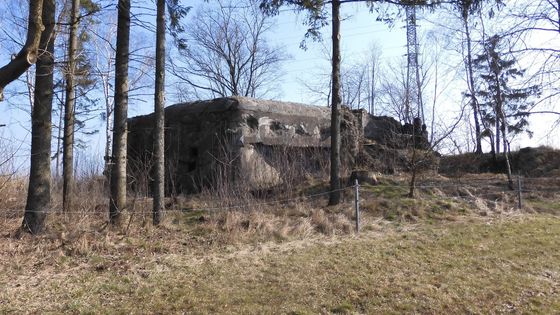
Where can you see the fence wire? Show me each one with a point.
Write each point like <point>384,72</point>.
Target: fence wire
<point>456,195</point>
<point>205,209</point>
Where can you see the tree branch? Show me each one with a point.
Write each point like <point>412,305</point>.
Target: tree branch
<point>29,53</point>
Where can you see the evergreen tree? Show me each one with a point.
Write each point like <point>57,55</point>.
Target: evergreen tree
<point>502,104</point>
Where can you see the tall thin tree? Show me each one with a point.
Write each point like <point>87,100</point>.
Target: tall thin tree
<point>334,196</point>
<point>466,9</point>
<point>69,110</point>
<point>39,189</point>
<point>117,200</point>
<point>159,117</point>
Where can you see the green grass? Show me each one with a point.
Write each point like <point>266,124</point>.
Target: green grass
<point>545,205</point>
<point>473,265</point>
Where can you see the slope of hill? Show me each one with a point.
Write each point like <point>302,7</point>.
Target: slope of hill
<point>530,162</point>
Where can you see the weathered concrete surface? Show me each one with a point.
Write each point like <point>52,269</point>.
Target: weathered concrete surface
<point>256,143</point>
<point>223,139</point>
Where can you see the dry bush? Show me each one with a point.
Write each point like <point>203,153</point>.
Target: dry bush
<point>235,226</point>
<point>12,193</point>
<point>139,174</point>
<point>13,187</point>
<point>295,165</point>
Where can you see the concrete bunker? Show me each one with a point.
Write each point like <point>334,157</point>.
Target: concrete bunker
<point>236,139</point>
<point>245,141</point>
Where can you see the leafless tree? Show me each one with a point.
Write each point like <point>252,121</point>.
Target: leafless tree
<point>227,52</point>
<point>102,45</point>
<point>359,81</point>
<point>466,9</point>
<point>392,91</point>
<point>103,69</point>
<point>532,20</point>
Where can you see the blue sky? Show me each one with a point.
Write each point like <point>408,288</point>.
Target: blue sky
<point>359,32</point>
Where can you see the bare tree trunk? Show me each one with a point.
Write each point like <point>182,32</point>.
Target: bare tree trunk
<point>372,89</point>
<point>414,166</point>
<point>107,156</point>
<point>159,117</point>
<point>334,196</point>
<point>109,109</point>
<point>39,190</point>
<point>493,146</point>
<point>59,140</point>
<point>474,101</point>
<point>502,119</point>
<point>28,55</point>
<point>117,201</point>
<point>501,126</point>
<point>498,122</point>
<point>69,111</point>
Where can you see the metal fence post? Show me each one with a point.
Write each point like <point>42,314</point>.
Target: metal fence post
<point>519,195</point>
<point>357,204</point>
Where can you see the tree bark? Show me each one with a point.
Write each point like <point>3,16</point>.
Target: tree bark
<point>334,196</point>
<point>69,111</point>
<point>109,109</point>
<point>59,140</point>
<point>506,151</point>
<point>39,189</point>
<point>414,167</point>
<point>501,122</point>
<point>107,156</point>
<point>474,101</point>
<point>29,54</point>
<point>159,117</point>
<point>117,201</point>
<point>498,123</point>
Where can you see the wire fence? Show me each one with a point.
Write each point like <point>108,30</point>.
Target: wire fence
<point>465,189</point>
<point>203,209</point>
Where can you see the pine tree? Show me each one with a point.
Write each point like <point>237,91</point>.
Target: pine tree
<point>39,189</point>
<point>159,117</point>
<point>117,201</point>
<point>69,108</point>
<point>502,104</point>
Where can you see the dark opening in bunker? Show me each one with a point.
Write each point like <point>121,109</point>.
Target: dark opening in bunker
<point>193,158</point>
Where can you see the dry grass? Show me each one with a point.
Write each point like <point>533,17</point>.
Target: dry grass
<point>12,192</point>
<point>469,266</point>
<point>450,250</point>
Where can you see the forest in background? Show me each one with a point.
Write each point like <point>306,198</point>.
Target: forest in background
<point>89,67</point>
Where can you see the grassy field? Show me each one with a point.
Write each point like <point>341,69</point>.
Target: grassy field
<point>500,264</point>
<point>460,247</point>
